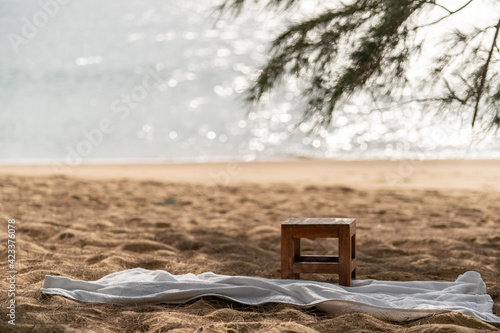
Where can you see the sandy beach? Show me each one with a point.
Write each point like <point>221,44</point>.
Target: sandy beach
<point>416,220</point>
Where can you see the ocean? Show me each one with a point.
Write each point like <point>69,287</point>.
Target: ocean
<point>102,81</point>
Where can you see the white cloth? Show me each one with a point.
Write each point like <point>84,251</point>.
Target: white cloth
<point>391,300</point>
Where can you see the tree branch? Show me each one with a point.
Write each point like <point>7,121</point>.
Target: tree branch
<point>480,89</point>
<point>440,6</point>
<point>450,12</point>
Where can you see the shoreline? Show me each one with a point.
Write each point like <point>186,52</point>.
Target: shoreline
<point>478,175</point>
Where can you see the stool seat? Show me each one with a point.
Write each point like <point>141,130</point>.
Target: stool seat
<point>293,263</point>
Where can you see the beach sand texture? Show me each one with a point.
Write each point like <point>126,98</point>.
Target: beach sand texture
<point>435,224</point>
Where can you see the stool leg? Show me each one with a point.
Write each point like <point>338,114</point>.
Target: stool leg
<point>345,253</point>
<point>353,245</point>
<point>296,255</point>
<point>287,253</point>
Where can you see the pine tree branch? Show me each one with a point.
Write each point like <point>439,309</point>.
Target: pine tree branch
<point>367,46</point>
<point>480,89</point>
<point>452,94</point>
<point>448,10</point>
<point>450,13</point>
<point>440,6</point>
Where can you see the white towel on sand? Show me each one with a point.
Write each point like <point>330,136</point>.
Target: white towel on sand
<point>399,301</point>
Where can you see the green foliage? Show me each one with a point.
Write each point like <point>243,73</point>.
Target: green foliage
<point>369,46</point>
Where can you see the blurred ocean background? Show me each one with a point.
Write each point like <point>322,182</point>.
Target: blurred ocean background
<point>162,81</point>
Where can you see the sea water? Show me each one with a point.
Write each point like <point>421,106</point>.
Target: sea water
<point>164,81</point>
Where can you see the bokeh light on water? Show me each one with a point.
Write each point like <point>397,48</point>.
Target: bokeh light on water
<point>91,60</point>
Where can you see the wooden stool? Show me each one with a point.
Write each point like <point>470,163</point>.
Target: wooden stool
<point>293,263</point>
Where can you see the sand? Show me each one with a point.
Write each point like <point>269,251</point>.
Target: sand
<point>416,221</point>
